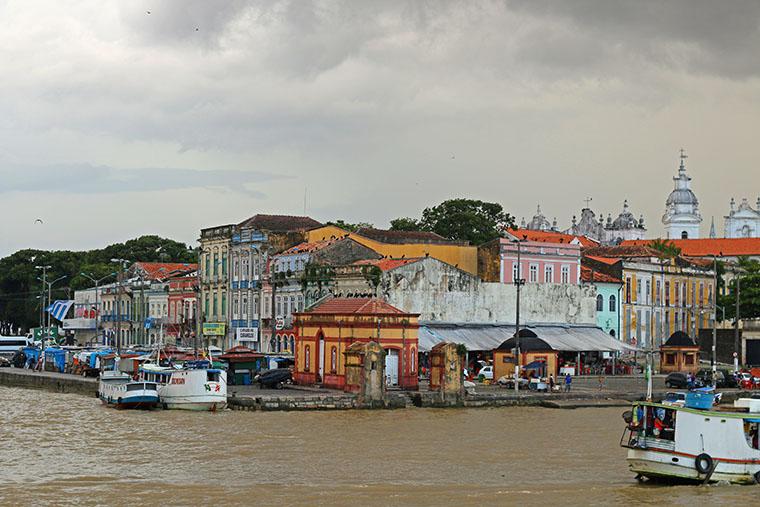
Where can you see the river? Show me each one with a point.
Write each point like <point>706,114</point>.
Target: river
<point>69,450</point>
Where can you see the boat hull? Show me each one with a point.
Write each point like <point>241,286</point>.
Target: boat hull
<point>143,402</point>
<point>196,403</point>
<point>681,467</point>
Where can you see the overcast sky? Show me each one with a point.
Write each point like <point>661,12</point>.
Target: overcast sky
<point>116,122</point>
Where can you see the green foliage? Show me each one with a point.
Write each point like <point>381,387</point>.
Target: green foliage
<point>19,287</point>
<point>317,274</point>
<point>373,275</point>
<point>462,349</point>
<point>406,224</point>
<point>351,227</point>
<point>667,248</point>
<point>749,292</point>
<point>461,220</point>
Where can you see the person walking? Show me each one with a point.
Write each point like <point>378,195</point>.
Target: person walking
<point>551,383</point>
<point>568,381</point>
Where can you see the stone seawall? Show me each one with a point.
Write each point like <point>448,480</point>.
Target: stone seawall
<point>48,381</point>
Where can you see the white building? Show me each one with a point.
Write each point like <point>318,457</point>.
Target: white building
<point>682,217</point>
<point>743,222</point>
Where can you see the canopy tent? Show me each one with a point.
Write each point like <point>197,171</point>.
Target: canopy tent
<point>489,336</point>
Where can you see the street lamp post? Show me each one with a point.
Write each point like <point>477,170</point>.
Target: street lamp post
<point>715,322</point>
<point>97,299</point>
<point>519,281</point>
<point>122,266</point>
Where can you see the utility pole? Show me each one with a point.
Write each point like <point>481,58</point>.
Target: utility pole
<point>119,288</point>
<point>715,323</point>
<point>737,344</point>
<point>42,307</point>
<point>518,283</point>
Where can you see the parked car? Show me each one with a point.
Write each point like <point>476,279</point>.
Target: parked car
<point>274,379</point>
<point>731,380</point>
<point>487,372</point>
<point>677,380</point>
<point>675,399</point>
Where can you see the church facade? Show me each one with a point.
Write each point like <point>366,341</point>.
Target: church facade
<point>744,221</point>
<point>682,217</point>
<point>625,227</point>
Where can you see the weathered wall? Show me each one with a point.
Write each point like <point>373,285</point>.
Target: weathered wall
<point>440,292</point>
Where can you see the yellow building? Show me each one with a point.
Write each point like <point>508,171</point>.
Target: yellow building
<point>660,295</point>
<point>397,244</point>
<point>212,275</point>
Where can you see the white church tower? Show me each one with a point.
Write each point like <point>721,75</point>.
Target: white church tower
<point>682,218</point>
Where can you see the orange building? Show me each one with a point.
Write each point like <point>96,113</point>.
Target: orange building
<point>325,332</point>
<point>679,353</point>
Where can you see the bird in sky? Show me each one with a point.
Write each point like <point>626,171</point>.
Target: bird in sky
<point>147,12</point>
<point>39,220</point>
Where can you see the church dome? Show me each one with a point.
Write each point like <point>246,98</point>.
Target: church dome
<point>625,219</point>
<point>682,196</point>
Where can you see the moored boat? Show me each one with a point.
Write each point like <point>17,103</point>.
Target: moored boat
<point>694,442</point>
<point>195,386</point>
<point>119,390</point>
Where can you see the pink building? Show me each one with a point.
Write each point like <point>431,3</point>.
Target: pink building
<point>545,256</point>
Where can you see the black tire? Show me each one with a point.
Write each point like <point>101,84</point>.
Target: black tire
<point>703,463</point>
<point>757,477</point>
<point>119,401</point>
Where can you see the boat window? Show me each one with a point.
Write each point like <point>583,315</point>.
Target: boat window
<point>212,376</point>
<point>134,387</point>
<point>751,433</point>
<point>660,423</point>
<point>150,387</point>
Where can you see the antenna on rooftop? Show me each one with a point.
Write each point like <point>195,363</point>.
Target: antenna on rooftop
<point>588,200</point>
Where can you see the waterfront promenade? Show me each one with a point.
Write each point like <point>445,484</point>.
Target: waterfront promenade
<point>586,392</point>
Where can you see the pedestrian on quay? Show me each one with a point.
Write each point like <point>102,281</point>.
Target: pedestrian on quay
<point>551,383</point>
<point>568,381</point>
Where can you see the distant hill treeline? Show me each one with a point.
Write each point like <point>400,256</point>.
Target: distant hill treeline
<point>20,288</point>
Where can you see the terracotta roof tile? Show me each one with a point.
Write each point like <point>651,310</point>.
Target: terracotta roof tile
<point>280,223</point>
<point>387,264</point>
<point>622,251</point>
<point>551,237</point>
<point>721,247</point>
<point>604,260</point>
<point>163,270</point>
<point>346,306</point>
<point>586,276</point>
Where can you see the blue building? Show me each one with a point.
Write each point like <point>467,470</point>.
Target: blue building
<point>607,299</point>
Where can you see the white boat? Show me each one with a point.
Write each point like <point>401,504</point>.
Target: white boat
<point>193,387</point>
<point>117,389</point>
<point>693,444</point>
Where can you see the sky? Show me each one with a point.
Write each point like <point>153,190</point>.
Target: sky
<point>119,119</point>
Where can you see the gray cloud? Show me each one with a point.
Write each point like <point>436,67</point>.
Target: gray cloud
<point>88,179</point>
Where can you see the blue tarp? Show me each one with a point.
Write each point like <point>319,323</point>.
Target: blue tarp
<point>100,353</point>
<point>57,357</point>
<point>32,353</point>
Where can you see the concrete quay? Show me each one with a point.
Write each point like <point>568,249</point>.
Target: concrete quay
<point>48,381</point>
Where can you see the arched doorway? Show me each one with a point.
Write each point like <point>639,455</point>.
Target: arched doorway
<point>392,364</point>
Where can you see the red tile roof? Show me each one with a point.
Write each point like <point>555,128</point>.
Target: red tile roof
<point>347,306</point>
<point>280,223</point>
<point>387,264</point>
<point>622,251</point>
<point>587,273</point>
<point>604,260</point>
<point>163,270</point>
<point>720,247</point>
<point>551,237</point>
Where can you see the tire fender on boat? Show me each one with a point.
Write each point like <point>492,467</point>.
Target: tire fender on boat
<point>757,477</point>
<point>703,463</point>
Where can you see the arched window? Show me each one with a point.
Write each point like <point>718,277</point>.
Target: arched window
<point>307,358</point>
<point>612,333</point>
<point>292,344</point>
<point>271,345</point>
<point>613,303</point>
<point>279,344</point>
<point>599,303</point>
<point>684,235</point>
<point>334,359</point>
<point>413,362</point>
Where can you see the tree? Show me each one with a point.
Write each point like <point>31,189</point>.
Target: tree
<point>20,288</point>
<point>749,292</point>
<point>406,224</point>
<point>463,220</point>
<point>351,227</point>
<point>667,248</point>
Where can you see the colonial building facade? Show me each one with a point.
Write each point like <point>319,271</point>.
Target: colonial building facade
<point>744,221</point>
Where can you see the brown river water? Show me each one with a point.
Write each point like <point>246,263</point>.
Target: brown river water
<point>69,450</point>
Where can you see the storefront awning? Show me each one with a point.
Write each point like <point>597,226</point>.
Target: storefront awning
<point>561,337</point>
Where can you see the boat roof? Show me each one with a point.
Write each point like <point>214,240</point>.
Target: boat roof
<point>714,413</point>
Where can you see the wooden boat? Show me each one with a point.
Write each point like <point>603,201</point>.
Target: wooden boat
<point>194,386</point>
<point>117,389</point>
<point>695,442</point>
